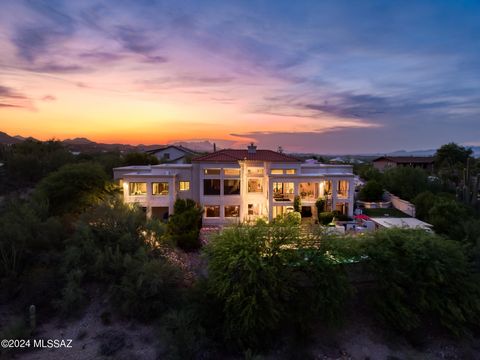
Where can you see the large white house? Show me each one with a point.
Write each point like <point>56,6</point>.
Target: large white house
<point>238,185</point>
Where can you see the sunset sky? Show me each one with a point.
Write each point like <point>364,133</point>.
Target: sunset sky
<point>325,76</point>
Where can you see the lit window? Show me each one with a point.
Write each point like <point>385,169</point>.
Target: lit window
<point>137,188</point>
<point>283,191</point>
<point>212,171</point>
<point>231,172</point>
<point>327,187</point>
<point>160,188</point>
<point>342,188</point>
<point>255,171</point>
<point>211,187</point>
<point>232,211</point>
<point>255,185</point>
<point>184,185</point>
<point>277,171</point>
<point>231,187</point>
<point>290,171</point>
<point>253,209</point>
<point>212,211</point>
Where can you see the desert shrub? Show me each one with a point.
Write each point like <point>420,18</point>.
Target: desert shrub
<point>245,272</point>
<point>372,191</point>
<point>421,275</point>
<point>147,288</point>
<point>321,286</point>
<point>185,224</point>
<point>264,286</point>
<point>184,335</point>
<point>16,328</point>
<point>73,297</point>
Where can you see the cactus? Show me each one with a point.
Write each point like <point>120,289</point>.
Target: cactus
<point>33,318</point>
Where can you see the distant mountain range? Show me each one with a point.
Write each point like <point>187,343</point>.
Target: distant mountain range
<point>81,144</point>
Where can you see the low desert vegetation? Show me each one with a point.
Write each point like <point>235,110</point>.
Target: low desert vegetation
<point>260,286</point>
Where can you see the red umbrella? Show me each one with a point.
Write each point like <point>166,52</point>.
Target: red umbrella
<point>362,217</point>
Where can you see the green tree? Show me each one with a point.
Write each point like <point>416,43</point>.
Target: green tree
<point>74,187</point>
<point>423,203</point>
<point>450,160</point>
<point>447,217</point>
<point>421,276</point>
<point>263,285</point>
<point>406,182</point>
<point>140,158</point>
<point>185,224</point>
<point>371,191</point>
<point>29,161</point>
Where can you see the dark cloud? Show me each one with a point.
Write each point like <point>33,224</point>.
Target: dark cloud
<point>59,68</point>
<point>135,40</point>
<point>101,56</point>
<point>47,29</point>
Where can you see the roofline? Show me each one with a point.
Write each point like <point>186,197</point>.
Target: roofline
<point>181,148</point>
<point>288,158</point>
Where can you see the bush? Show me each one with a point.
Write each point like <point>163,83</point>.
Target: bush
<point>297,203</point>
<point>264,287</point>
<point>148,288</point>
<point>184,335</point>
<point>73,297</point>
<point>293,218</point>
<point>326,217</point>
<point>421,275</point>
<point>371,192</point>
<point>320,204</point>
<point>185,224</point>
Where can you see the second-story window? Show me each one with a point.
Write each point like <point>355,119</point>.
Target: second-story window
<point>211,171</point>
<point>231,187</point>
<point>184,185</point>
<point>342,188</point>
<point>255,185</point>
<point>231,172</point>
<point>137,188</point>
<point>277,171</point>
<point>291,171</point>
<point>160,188</point>
<point>211,187</point>
<point>255,171</point>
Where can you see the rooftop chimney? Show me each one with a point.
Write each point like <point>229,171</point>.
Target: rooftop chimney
<point>214,147</point>
<point>252,149</point>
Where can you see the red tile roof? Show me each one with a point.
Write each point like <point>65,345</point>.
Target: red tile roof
<point>234,155</point>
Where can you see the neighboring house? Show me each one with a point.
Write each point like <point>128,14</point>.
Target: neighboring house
<point>424,162</point>
<point>237,185</point>
<point>173,154</point>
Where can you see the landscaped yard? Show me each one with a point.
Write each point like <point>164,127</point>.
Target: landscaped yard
<point>390,212</point>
